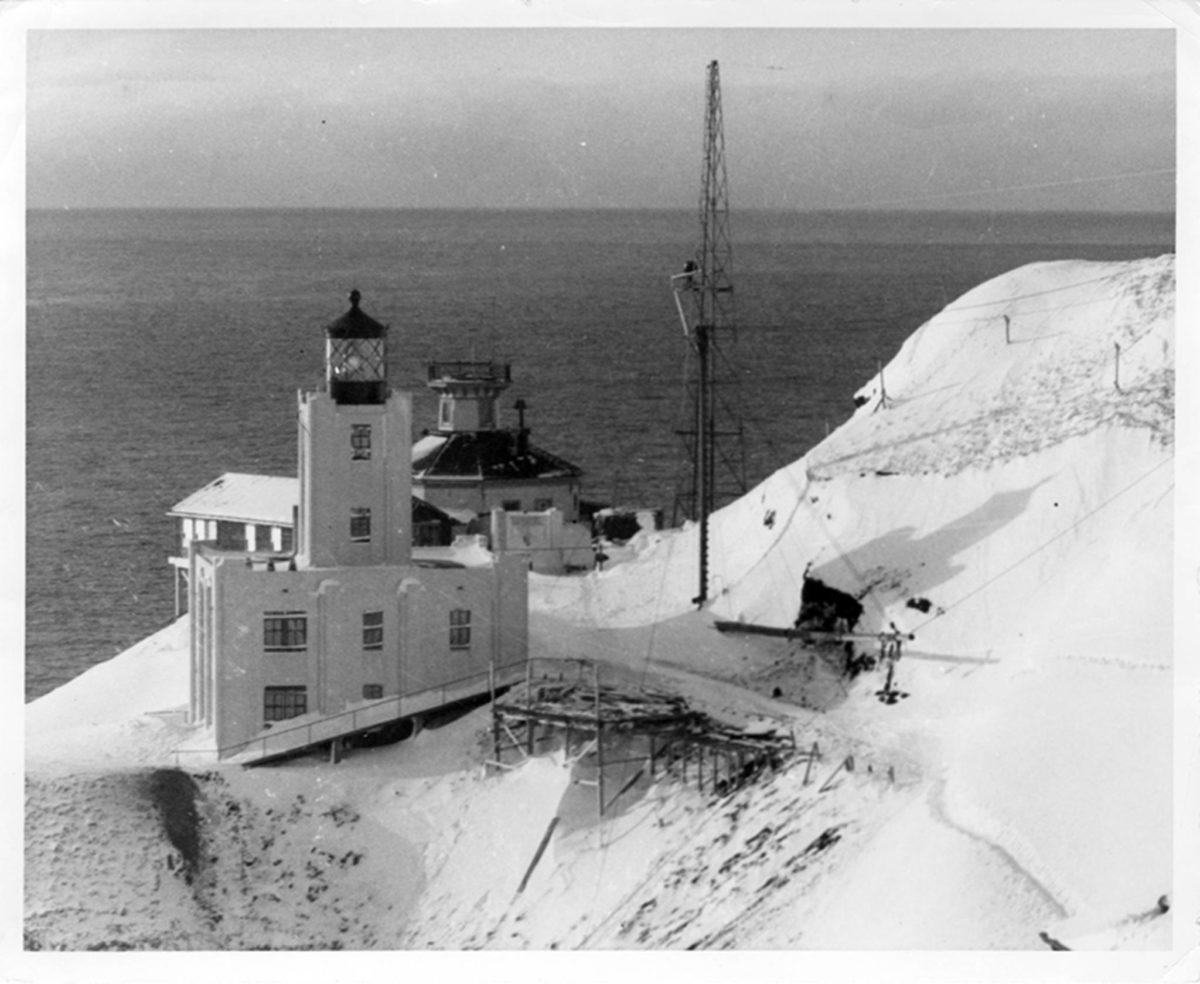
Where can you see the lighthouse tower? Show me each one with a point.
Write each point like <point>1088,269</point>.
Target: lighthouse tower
<point>355,454</point>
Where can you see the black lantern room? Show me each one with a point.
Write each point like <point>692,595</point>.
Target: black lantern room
<point>356,357</point>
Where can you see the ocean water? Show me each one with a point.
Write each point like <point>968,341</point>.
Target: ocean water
<point>166,347</point>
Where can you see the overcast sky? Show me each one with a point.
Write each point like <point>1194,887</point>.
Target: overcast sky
<point>814,118</point>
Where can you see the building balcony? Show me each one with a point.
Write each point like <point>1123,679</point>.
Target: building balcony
<point>482,372</point>
<point>259,560</point>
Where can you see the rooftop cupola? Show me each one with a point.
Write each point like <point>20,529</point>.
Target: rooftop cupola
<point>356,357</point>
<point>467,393</point>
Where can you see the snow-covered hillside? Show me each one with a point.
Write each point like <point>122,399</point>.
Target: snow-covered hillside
<point>1022,490</point>
<point>1009,502</point>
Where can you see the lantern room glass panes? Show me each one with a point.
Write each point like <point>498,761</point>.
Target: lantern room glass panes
<point>356,360</point>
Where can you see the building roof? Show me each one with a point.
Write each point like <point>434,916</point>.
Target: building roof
<point>483,455</point>
<point>355,323</point>
<point>266,499</point>
<point>427,512</point>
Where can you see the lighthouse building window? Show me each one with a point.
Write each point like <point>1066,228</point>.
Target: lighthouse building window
<point>372,630</point>
<point>281,703</point>
<point>360,524</point>
<point>360,442</point>
<point>460,628</point>
<point>285,632</point>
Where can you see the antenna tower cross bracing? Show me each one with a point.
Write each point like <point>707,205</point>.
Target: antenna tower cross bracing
<point>713,436</point>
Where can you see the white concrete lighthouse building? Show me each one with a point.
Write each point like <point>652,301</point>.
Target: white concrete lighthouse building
<point>348,632</point>
<point>355,454</point>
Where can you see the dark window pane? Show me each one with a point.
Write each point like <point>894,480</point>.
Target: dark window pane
<point>460,628</point>
<point>372,631</point>
<point>231,536</point>
<point>262,537</point>
<point>285,632</point>
<point>281,703</point>
<point>360,442</point>
<point>360,523</point>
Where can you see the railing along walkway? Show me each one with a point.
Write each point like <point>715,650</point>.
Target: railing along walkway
<point>320,730</point>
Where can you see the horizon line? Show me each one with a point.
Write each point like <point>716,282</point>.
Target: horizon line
<point>600,208</point>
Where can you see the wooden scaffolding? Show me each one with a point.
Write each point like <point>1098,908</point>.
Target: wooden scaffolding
<point>564,702</point>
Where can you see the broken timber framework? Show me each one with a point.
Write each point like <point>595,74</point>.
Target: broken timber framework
<point>603,720</point>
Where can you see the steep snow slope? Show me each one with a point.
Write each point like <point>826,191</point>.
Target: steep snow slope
<point>1010,485</point>
<point>105,717</point>
<point>1022,490</point>
<point>970,438</point>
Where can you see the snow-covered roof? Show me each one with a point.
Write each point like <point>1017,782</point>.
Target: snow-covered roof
<point>427,445</point>
<point>486,455</point>
<point>266,499</point>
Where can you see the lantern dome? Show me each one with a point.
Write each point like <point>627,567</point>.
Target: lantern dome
<point>356,356</point>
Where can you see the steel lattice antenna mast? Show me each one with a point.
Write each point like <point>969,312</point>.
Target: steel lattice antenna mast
<point>711,327</point>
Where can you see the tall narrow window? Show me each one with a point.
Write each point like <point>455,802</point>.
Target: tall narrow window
<point>262,538</point>
<point>360,442</point>
<point>281,703</point>
<point>231,536</point>
<point>360,524</point>
<point>372,630</point>
<point>285,632</point>
<point>460,628</point>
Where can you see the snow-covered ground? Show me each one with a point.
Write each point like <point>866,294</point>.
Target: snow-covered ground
<point>1010,502</point>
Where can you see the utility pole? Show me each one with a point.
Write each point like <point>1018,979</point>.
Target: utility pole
<point>714,434</point>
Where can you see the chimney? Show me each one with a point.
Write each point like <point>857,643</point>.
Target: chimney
<point>522,430</point>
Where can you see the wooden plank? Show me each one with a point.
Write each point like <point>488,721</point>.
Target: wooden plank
<point>625,788</point>
<point>805,635</point>
<point>541,849</point>
<point>750,628</point>
<point>587,720</point>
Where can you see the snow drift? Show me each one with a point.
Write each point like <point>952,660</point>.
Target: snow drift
<point>1004,491</point>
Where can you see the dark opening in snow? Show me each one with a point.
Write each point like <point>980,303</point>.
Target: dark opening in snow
<point>618,526</point>
<point>826,609</point>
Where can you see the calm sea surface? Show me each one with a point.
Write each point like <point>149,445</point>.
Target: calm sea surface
<point>166,347</point>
